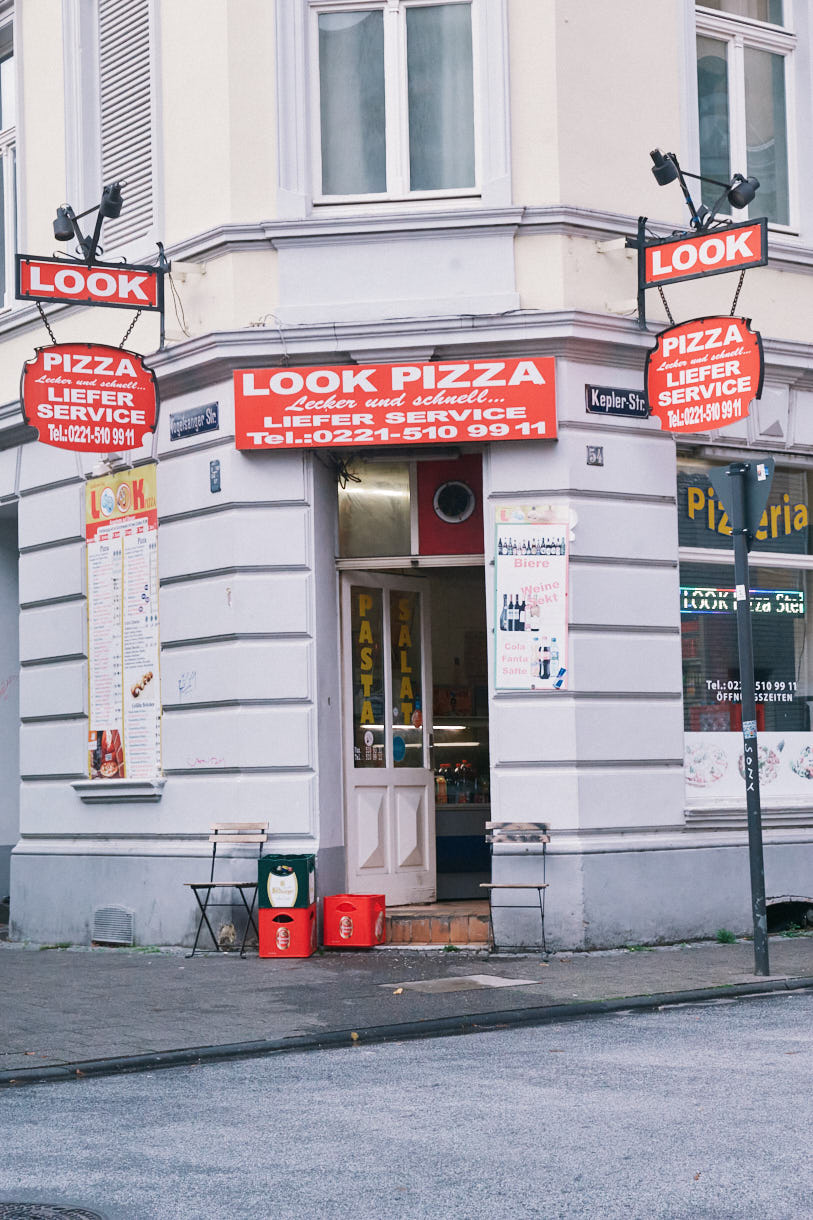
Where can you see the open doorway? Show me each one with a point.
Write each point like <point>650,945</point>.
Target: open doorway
<point>417,782</point>
<point>460,715</point>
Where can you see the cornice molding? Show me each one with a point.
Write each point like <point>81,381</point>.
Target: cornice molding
<point>331,226</point>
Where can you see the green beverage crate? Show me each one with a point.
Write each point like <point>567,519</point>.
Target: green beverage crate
<point>286,881</point>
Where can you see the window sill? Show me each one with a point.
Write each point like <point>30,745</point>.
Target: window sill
<point>426,199</point>
<point>119,791</point>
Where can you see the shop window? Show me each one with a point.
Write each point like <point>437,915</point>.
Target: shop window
<point>374,517</point>
<point>429,507</point>
<point>744,63</point>
<point>785,526</point>
<point>781,588</point>
<point>8,172</point>
<point>780,606</point>
<point>395,98</point>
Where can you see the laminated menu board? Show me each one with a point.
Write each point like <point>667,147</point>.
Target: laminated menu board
<point>121,540</point>
<point>530,565</point>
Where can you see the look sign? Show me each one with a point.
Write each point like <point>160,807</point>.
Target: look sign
<point>55,279</point>
<point>703,374</point>
<point>733,248</point>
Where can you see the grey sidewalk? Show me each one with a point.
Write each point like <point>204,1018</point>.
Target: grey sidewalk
<point>63,1007</point>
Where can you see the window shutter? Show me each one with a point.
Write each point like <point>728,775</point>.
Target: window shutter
<point>125,111</point>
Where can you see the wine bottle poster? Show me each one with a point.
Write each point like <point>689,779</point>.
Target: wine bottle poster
<point>121,532</point>
<point>530,566</point>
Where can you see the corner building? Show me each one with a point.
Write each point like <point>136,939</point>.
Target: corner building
<point>373,184</point>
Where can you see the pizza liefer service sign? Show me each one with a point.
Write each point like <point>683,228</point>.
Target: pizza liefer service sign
<point>395,404</point>
<point>704,374</point>
<point>89,397</point>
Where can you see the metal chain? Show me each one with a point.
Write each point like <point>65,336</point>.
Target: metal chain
<point>666,307</point>
<point>46,323</point>
<point>129,329</point>
<point>737,293</point>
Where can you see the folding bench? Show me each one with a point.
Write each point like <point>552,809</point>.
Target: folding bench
<point>518,832</point>
<point>228,832</point>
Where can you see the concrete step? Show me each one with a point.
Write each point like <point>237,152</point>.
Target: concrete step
<point>439,923</point>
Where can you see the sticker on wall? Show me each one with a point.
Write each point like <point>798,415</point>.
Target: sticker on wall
<point>704,374</point>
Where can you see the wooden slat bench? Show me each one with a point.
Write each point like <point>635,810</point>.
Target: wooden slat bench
<point>518,832</point>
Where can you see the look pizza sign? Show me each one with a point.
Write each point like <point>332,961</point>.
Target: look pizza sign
<point>89,397</point>
<point>704,374</point>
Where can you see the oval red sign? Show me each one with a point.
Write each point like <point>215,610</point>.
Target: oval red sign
<point>703,374</point>
<point>89,397</point>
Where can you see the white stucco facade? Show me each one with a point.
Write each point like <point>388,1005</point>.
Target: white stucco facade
<point>570,98</point>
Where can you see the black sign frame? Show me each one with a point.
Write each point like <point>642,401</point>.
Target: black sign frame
<point>51,298</point>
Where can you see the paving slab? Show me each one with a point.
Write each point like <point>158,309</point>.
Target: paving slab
<point>62,1006</point>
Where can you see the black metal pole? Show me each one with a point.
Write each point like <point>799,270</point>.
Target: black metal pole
<point>749,719</point>
<point>641,243</point>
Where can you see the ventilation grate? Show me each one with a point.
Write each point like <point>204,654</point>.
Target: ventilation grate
<point>113,926</point>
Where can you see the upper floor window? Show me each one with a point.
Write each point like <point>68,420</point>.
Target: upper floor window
<point>395,112</point>
<point>8,211</point>
<point>744,80</point>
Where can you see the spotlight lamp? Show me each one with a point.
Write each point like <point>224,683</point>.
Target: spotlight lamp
<point>739,191</point>
<point>66,225</point>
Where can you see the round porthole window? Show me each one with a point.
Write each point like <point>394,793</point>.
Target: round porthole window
<point>454,502</point>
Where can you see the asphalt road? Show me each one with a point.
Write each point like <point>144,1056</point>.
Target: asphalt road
<point>695,1111</point>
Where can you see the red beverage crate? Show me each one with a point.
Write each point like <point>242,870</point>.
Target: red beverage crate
<point>354,920</point>
<point>287,932</point>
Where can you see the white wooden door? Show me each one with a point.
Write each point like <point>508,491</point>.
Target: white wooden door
<point>389,785</point>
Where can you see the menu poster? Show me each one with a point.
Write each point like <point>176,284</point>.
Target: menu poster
<point>121,539</point>
<point>530,565</point>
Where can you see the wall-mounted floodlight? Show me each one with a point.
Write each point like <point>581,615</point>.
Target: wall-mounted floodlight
<point>739,191</point>
<point>66,225</point>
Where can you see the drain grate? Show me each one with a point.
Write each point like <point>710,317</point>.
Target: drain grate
<point>44,1211</point>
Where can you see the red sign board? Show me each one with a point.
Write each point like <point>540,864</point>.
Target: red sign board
<point>703,374</point>
<point>55,279</point>
<point>89,397</point>
<point>395,404</point>
<point>702,254</point>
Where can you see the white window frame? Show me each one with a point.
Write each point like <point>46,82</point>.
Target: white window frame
<point>396,133</point>
<point>299,129</point>
<point>739,33</point>
<point>8,156</point>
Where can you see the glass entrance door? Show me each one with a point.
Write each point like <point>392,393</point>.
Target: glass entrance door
<point>389,790</point>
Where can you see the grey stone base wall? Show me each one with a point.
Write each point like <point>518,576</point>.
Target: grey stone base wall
<point>5,869</point>
<point>54,896</point>
<point>602,899</point>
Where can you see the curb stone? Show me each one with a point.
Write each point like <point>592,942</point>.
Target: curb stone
<point>430,1028</point>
